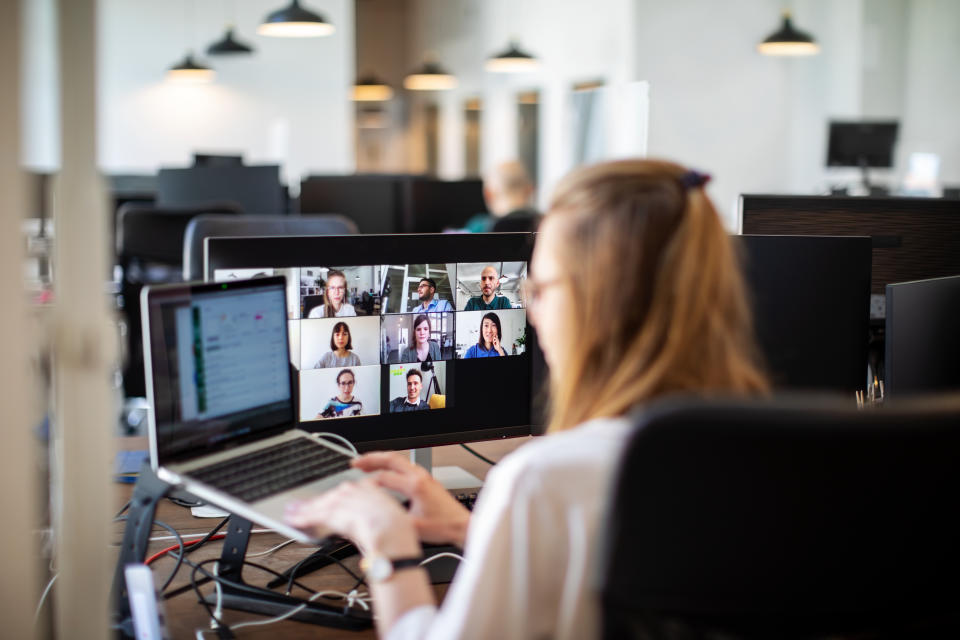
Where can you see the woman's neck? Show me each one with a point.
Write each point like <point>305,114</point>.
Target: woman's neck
<point>342,352</point>
<point>423,347</point>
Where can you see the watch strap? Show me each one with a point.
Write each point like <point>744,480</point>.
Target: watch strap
<point>404,563</point>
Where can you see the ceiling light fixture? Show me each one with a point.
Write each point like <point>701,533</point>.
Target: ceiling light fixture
<point>295,22</point>
<point>789,41</point>
<point>189,71</point>
<point>513,60</point>
<point>228,45</point>
<point>370,88</point>
<point>430,77</point>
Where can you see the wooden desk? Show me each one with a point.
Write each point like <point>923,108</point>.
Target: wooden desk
<point>184,614</point>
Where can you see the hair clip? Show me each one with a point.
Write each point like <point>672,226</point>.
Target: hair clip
<point>693,179</point>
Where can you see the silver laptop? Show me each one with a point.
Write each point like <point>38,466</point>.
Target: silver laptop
<point>223,416</point>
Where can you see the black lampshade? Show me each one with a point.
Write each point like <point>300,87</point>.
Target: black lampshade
<point>228,45</point>
<point>430,77</point>
<point>512,60</point>
<point>789,41</point>
<point>190,71</point>
<point>295,22</point>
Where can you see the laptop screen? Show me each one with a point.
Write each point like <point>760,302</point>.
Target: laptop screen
<point>218,367</point>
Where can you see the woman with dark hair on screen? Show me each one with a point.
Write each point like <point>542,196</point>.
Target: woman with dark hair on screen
<point>671,317</point>
<point>423,347</point>
<point>340,354</point>
<point>335,303</point>
<point>488,346</point>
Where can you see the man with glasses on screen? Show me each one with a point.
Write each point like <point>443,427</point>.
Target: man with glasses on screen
<point>488,298</point>
<point>426,291</point>
<point>412,401</point>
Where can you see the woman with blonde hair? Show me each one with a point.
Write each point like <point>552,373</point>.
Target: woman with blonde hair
<point>660,308</point>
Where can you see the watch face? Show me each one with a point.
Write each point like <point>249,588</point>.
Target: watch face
<point>378,568</point>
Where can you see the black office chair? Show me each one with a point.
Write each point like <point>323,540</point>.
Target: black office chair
<point>150,251</point>
<point>226,226</point>
<point>785,519</point>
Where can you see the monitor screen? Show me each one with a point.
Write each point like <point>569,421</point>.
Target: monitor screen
<point>861,144</point>
<point>810,297</point>
<point>401,341</point>
<point>921,340</point>
<point>217,362</point>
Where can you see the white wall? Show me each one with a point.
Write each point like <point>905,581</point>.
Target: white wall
<point>575,41</point>
<point>40,93</point>
<point>288,103</point>
<point>932,82</point>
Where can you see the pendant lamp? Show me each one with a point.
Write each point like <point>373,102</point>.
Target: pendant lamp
<point>512,60</point>
<point>228,45</point>
<point>189,71</point>
<point>369,88</point>
<point>788,41</point>
<point>295,22</point>
<point>430,77</point>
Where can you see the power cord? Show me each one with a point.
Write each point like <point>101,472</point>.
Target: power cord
<point>479,455</point>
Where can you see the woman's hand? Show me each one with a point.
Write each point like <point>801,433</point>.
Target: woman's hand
<point>362,512</point>
<point>436,515</point>
<point>496,345</point>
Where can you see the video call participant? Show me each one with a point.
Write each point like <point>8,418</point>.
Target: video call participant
<point>412,401</point>
<point>677,321</point>
<point>488,346</point>
<point>344,403</point>
<point>488,298</point>
<point>340,354</point>
<point>334,298</point>
<point>423,347</point>
<point>427,290</point>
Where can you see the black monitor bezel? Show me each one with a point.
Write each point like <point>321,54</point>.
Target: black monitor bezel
<point>840,131</point>
<point>284,252</point>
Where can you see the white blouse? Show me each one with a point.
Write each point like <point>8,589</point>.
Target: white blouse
<point>531,547</point>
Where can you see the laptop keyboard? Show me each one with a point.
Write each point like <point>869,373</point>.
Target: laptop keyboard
<point>272,470</point>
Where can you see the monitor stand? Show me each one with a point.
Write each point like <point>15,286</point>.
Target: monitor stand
<point>451,477</point>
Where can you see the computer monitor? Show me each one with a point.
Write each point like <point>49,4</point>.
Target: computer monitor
<point>371,201</point>
<point>394,350</point>
<point>810,298</point>
<point>922,338</point>
<point>217,160</point>
<point>435,205</point>
<point>255,189</point>
<point>861,144</point>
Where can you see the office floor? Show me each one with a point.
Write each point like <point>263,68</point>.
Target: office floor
<point>184,614</point>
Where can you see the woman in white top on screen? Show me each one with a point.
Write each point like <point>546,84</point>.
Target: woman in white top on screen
<point>672,317</point>
<point>334,298</point>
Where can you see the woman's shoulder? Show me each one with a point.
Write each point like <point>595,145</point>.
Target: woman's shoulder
<point>594,445</point>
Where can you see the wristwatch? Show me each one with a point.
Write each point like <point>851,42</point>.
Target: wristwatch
<point>381,568</point>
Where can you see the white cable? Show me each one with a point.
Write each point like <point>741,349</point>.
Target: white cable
<point>336,436</point>
<point>270,550</point>
<point>43,597</point>
<point>187,536</point>
<point>445,554</point>
<point>218,610</point>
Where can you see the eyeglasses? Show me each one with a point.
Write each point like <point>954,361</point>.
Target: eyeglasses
<point>333,288</point>
<point>532,291</point>
<point>346,383</point>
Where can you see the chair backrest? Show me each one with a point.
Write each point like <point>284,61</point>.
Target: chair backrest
<point>224,226</point>
<point>784,517</point>
<point>156,235</point>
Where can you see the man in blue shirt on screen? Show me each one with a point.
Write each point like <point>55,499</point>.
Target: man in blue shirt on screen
<point>488,299</point>
<point>427,290</point>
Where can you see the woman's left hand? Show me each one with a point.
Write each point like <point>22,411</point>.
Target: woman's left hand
<point>362,512</point>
